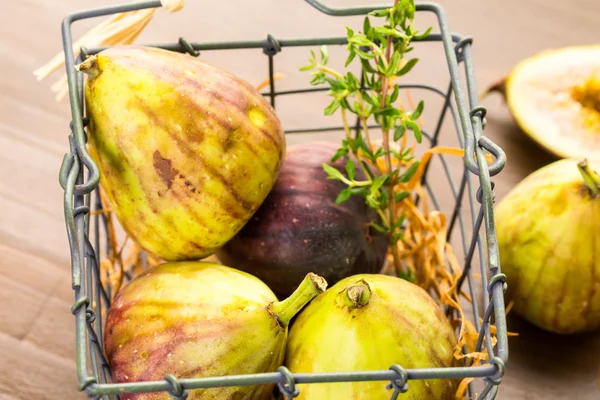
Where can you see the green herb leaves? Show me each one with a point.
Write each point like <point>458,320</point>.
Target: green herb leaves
<point>380,49</point>
<point>333,172</point>
<point>343,196</point>
<point>350,169</point>
<point>334,105</point>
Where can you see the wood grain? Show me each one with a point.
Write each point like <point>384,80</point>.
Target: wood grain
<point>36,325</point>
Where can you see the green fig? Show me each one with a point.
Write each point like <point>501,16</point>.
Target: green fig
<point>547,228</point>
<point>370,322</point>
<point>187,152</point>
<point>200,319</point>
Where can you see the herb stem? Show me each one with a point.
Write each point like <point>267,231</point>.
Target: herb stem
<point>360,183</point>
<point>363,119</point>
<point>355,183</point>
<point>366,129</point>
<point>330,71</point>
<point>383,217</point>
<point>391,206</point>
<point>346,126</point>
<point>355,152</point>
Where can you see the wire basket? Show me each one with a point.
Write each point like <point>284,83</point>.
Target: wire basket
<point>472,217</point>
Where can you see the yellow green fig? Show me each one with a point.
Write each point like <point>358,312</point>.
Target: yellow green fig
<point>187,151</point>
<point>371,322</point>
<point>195,319</point>
<point>547,228</point>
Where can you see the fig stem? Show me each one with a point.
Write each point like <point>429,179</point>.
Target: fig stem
<point>356,296</point>
<point>89,66</point>
<point>311,286</point>
<point>497,86</point>
<point>590,177</point>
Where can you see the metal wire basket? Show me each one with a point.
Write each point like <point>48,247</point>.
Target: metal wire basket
<point>475,220</point>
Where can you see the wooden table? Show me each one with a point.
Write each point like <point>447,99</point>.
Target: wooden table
<point>36,325</point>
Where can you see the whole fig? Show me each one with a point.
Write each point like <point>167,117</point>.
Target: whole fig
<point>199,319</point>
<point>300,228</point>
<point>370,322</point>
<point>547,228</point>
<point>187,152</point>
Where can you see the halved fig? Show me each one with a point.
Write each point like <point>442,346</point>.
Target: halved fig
<point>554,96</point>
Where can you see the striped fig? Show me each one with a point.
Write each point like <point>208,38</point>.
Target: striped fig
<point>300,228</point>
<point>370,322</point>
<point>187,151</point>
<point>549,245</point>
<point>197,319</point>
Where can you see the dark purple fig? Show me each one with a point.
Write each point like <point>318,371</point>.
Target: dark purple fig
<point>299,228</point>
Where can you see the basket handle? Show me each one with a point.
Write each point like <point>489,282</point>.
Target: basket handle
<point>121,28</point>
<point>345,11</point>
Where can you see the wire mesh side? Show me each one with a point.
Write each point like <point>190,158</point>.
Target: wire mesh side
<point>91,297</point>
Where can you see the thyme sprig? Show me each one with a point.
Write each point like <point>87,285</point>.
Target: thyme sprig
<point>381,51</point>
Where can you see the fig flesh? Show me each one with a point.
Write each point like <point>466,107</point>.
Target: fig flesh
<point>199,319</point>
<point>547,228</point>
<point>186,151</point>
<point>299,228</point>
<point>554,96</point>
<point>370,322</point>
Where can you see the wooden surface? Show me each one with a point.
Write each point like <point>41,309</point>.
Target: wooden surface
<point>36,325</point>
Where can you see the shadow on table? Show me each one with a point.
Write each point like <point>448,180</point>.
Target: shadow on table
<point>523,153</point>
<point>569,358</point>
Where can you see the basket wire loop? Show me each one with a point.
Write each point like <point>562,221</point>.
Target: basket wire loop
<point>270,48</point>
<point>176,391</point>
<point>65,169</point>
<point>399,384</point>
<point>79,176</point>
<point>188,47</point>
<point>288,387</point>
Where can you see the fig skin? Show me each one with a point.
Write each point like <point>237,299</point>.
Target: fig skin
<point>200,319</point>
<point>547,228</point>
<point>370,322</point>
<point>299,228</point>
<point>186,151</point>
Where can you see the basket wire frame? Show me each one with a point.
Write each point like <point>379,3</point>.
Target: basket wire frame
<point>80,190</point>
